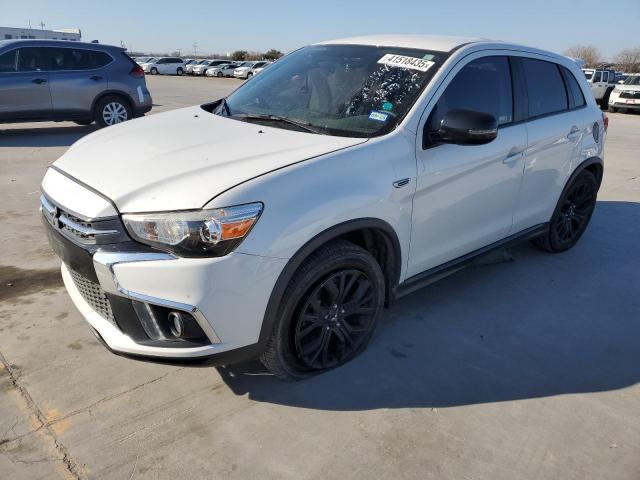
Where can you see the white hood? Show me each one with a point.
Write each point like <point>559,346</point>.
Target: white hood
<point>183,158</point>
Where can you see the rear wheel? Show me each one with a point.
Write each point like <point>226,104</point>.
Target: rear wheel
<point>571,216</point>
<point>328,313</point>
<point>154,71</point>
<point>112,109</point>
<point>179,71</point>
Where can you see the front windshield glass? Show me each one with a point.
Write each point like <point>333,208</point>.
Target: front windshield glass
<point>345,90</point>
<point>635,80</point>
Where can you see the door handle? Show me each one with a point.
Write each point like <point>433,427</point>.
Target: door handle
<point>39,80</point>
<point>514,155</point>
<point>96,78</point>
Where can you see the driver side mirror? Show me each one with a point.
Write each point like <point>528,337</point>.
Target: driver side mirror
<point>465,127</point>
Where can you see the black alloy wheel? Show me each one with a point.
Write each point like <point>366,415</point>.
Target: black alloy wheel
<point>335,320</point>
<point>572,214</point>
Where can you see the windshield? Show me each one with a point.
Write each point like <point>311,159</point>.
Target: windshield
<point>345,90</point>
<point>635,80</point>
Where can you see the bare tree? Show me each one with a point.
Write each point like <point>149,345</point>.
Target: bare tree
<point>589,54</point>
<point>628,60</point>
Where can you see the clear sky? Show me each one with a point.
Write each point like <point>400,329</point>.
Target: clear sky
<point>223,26</point>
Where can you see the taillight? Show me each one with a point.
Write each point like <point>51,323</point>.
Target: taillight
<point>137,71</point>
<point>605,120</point>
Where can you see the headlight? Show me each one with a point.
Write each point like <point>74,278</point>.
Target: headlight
<point>197,233</point>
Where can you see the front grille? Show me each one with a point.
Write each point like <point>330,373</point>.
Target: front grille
<point>99,231</point>
<point>632,94</point>
<point>94,295</point>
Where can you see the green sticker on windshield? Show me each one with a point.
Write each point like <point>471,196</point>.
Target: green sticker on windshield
<point>387,106</point>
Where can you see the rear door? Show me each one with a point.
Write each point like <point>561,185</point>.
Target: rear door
<point>76,79</point>
<point>599,84</point>
<point>557,123</point>
<point>24,85</point>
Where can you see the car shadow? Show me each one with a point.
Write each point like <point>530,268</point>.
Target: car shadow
<point>541,325</point>
<point>58,136</point>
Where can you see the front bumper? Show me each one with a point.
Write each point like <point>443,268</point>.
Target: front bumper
<point>227,297</point>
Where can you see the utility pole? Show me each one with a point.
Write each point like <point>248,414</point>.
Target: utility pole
<point>195,49</point>
<point>41,25</point>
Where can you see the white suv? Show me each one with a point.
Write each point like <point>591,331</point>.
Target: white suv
<point>626,96</point>
<point>164,66</point>
<point>279,221</point>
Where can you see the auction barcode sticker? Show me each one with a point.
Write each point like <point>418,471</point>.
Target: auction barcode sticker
<point>406,62</point>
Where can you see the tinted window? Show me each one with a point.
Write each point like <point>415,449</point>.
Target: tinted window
<point>483,85</point>
<point>100,59</point>
<point>576,99</point>
<point>597,77</point>
<point>8,61</point>
<point>31,59</point>
<point>545,87</point>
<point>605,76</point>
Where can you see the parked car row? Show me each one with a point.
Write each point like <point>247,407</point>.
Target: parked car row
<point>616,91</point>
<point>203,67</point>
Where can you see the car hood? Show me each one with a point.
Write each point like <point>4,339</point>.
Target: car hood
<point>626,88</point>
<point>181,159</point>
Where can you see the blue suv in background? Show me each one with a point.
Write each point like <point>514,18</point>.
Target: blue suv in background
<point>43,80</point>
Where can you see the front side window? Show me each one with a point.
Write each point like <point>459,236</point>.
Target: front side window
<point>483,85</point>
<point>31,59</point>
<point>8,62</point>
<point>597,77</point>
<point>344,90</point>
<point>545,87</point>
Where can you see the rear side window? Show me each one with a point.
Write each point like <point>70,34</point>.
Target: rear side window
<point>545,87</point>
<point>483,85</point>
<point>8,61</point>
<point>100,59</point>
<point>576,98</point>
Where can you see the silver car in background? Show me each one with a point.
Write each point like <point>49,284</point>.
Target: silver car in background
<point>43,80</point>
<point>224,70</point>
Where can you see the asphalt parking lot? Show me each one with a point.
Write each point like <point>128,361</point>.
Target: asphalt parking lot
<point>524,369</point>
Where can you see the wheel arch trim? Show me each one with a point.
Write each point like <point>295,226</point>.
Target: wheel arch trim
<point>332,233</point>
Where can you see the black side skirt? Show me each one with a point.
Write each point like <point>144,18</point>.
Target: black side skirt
<point>434,274</point>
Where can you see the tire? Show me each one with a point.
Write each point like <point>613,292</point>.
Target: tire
<point>179,71</point>
<point>612,109</point>
<point>84,123</point>
<point>220,75</point>
<point>315,329</point>
<point>249,75</point>
<point>571,216</point>
<point>154,71</point>
<point>112,109</point>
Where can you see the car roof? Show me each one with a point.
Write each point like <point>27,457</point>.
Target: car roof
<point>24,42</point>
<point>440,43</point>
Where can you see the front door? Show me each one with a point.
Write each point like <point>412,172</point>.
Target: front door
<point>465,194</point>
<point>24,85</point>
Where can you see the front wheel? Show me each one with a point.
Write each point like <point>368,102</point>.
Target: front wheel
<point>249,75</point>
<point>328,312</point>
<point>154,71</point>
<point>612,109</point>
<point>571,216</point>
<point>219,75</point>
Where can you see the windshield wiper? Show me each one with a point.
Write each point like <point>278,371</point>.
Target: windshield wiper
<point>275,118</point>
